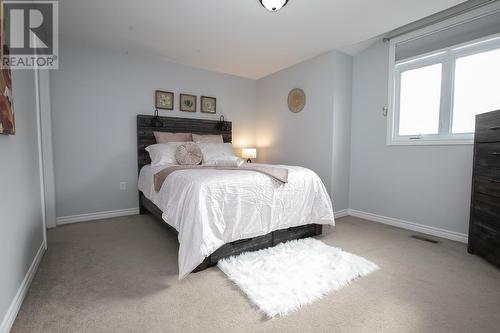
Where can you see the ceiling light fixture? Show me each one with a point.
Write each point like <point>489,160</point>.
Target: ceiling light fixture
<point>273,5</point>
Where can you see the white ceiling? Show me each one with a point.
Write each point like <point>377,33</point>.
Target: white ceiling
<point>237,36</point>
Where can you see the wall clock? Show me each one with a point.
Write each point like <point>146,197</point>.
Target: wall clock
<point>296,100</point>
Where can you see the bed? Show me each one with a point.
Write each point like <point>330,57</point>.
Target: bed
<point>220,213</point>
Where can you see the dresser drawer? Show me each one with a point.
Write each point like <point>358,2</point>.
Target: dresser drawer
<point>486,243</point>
<point>487,185</point>
<point>487,172</point>
<point>488,127</point>
<point>488,155</point>
<point>484,228</point>
<point>487,211</point>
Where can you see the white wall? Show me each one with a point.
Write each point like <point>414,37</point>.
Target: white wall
<point>96,95</point>
<point>307,138</point>
<point>21,228</point>
<point>428,185</point>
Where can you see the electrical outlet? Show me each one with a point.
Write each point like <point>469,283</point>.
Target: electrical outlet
<point>123,186</point>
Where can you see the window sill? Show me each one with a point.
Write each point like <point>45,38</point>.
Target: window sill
<point>423,142</point>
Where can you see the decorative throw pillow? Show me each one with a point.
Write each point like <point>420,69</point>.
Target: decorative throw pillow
<point>188,154</point>
<point>208,138</point>
<point>166,137</point>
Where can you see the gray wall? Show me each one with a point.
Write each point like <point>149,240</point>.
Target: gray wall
<point>307,138</point>
<point>429,185</point>
<point>101,92</point>
<point>21,228</point>
<point>96,95</point>
<point>342,108</point>
<point>47,148</point>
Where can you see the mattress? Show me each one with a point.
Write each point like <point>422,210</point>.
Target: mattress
<point>146,183</point>
<point>210,208</point>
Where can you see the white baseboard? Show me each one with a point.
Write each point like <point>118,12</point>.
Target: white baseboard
<point>438,232</point>
<point>96,216</point>
<point>341,213</point>
<point>16,303</point>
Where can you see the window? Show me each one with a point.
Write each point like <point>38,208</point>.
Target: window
<point>436,96</point>
<point>419,100</point>
<point>476,88</point>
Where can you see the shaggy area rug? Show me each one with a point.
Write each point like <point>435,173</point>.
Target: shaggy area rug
<point>281,279</point>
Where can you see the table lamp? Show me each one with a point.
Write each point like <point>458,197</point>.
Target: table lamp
<point>249,153</point>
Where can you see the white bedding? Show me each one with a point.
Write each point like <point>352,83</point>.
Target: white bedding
<point>210,208</point>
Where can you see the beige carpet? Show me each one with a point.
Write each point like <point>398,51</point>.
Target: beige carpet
<point>120,275</point>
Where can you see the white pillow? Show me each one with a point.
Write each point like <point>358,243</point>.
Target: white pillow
<point>213,152</point>
<point>225,163</point>
<point>163,153</point>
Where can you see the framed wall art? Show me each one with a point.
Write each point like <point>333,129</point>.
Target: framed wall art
<point>7,124</point>
<point>164,100</point>
<point>208,104</point>
<point>187,103</point>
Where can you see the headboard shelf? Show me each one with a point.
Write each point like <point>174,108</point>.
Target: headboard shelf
<point>145,136</point>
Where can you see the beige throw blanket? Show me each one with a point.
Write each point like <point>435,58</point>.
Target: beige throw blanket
<point>280,174</point>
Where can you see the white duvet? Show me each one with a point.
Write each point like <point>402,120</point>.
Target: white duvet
<point>210,208</point>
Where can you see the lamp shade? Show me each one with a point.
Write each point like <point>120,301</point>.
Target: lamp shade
<point>249,153</point>
<point>273,5</point>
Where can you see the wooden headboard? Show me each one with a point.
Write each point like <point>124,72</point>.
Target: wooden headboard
<point>145,129</point>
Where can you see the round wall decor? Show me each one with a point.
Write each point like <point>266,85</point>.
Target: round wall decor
<point>296,100</point>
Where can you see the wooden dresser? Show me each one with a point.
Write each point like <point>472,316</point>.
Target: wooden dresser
<point>484,227</point>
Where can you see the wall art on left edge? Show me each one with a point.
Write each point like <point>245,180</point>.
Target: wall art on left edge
<point>7,125</point>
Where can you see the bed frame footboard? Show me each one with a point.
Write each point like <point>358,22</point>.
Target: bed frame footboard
<point>239,246</point>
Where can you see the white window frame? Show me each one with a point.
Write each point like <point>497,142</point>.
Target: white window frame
<point>447,57</point>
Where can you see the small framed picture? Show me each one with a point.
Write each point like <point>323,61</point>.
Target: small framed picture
<point>208,104</point>
<point>187,103</point>
<point>164,100</point>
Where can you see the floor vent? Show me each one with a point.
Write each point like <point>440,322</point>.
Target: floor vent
<point>425,239</point>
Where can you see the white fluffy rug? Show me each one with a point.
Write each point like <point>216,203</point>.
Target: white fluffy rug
<point>281,279</point>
